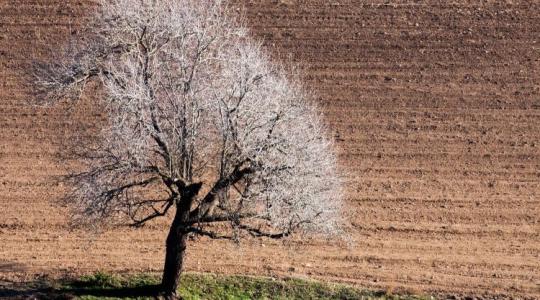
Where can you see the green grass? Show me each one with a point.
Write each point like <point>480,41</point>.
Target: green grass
<point>204,286</point>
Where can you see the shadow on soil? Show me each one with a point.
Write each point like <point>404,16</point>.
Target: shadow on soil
<point>77,290</point>
<point>131,292</point>
<point>30,293</point>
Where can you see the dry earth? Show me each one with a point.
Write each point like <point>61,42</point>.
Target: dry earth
<point>435,107</point>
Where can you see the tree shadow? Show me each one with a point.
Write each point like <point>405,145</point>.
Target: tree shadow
<point>75,290</point>
<point>120,292</point>
<point>28,291</point>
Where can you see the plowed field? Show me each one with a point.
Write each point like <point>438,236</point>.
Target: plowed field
<point>435,107</point>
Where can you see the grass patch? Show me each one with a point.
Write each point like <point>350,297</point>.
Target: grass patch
<point>205,286</point>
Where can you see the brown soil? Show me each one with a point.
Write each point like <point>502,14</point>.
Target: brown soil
<point>435,106</point>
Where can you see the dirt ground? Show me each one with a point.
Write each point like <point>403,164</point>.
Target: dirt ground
<point>435,107</point>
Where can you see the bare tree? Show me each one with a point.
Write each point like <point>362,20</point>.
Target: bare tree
<point>199,121</point>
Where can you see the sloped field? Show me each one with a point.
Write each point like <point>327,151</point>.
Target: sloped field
<point>435,107</point>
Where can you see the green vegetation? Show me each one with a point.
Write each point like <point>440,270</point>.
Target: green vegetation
<point>204,286</point>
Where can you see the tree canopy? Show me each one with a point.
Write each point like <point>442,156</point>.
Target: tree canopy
<point>199,119</point>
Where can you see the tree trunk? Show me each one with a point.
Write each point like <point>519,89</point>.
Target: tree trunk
<point>177,242</point>
<point>174,262</point>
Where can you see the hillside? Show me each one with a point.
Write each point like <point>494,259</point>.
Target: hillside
<point>435,107</point>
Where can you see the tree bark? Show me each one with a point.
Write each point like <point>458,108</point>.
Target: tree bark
<point>177,242</point>
<point>174,261</point>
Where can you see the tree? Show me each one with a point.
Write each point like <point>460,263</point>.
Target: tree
<point>200,122</point>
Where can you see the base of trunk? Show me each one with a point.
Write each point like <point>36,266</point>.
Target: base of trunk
<point>169,297</point>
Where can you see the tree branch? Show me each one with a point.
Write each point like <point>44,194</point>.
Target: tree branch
<point>208,201</point>
<point>120,189</point>
<point>256,232</point>
<point>210,234</point>
<point>221,218</point>
<point>156,214</point>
